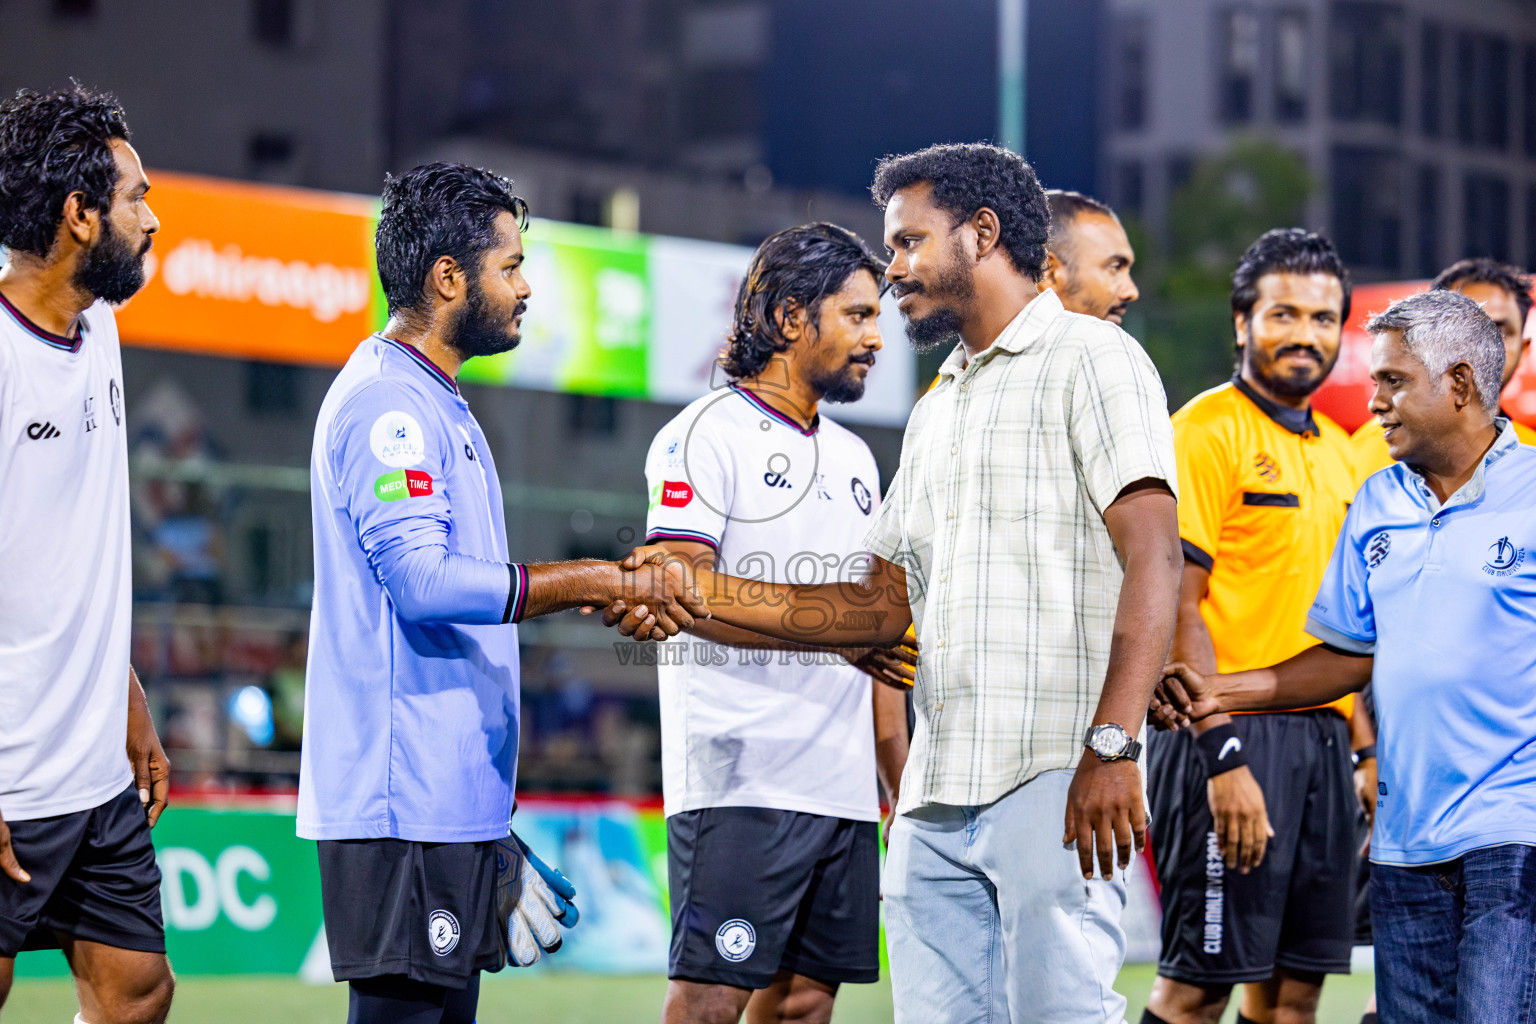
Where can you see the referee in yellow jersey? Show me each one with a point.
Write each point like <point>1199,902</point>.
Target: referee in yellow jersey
<point>1504,292</point>
<point>1254,816</point>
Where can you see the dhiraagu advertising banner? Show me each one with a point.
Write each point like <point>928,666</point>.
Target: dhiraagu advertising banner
<point>589,322</point>
<point>287,275</point>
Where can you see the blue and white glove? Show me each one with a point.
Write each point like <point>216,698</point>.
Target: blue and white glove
<point>533,901</point>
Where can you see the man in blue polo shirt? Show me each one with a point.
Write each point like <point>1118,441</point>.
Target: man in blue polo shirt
<point>411,707</point>
<point>1431,596</point>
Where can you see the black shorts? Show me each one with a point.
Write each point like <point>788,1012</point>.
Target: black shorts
<point>1296,909</point>
<point>94,877</point>
<point>424,910</point>
<point>756,891</point>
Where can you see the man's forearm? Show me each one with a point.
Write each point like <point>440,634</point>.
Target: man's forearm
<point>1138,649</point>
<point>891,738</point>
<point>1316,676</point>
<point>822,615</point>
<point>558,586</point>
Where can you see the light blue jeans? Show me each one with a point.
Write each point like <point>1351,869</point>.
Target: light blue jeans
<point>988,918</point>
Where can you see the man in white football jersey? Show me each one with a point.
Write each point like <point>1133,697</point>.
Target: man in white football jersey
<point>769,749</point>
<point>82,774</point>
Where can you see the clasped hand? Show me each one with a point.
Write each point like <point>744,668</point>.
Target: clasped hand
<point>657,597</point>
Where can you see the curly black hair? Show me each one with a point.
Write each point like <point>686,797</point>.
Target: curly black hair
<point>52,144</point>
<point>1482,270</point>
<point>440,209</point>
<point>966,178</point>
<point>1286,251</point>
<point>799,266</point>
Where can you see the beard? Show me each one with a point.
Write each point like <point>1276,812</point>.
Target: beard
<point>842,385</point>
<point>957,284</point>
<point>1295,383</point>
<point>479,330</point>
<point>111,270</point>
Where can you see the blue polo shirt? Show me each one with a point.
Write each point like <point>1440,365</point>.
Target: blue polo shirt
<point>1444,596</point>
<point>411,698</point>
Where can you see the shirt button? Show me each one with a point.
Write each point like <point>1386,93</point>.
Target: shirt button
<point>951,514</point>
<point>944,578</point>
<point>955,450</point>
<point>939,706</point>
<point>964,386</point>
<point>940,643</point>
<point>1434,522</point>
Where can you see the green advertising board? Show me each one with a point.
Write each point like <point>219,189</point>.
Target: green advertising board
<point>240,892</point>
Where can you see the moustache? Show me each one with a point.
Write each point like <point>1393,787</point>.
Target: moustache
<point>1118,309</point>
<point>1306,350</point>
<point>868,359</point>
<point>902,289</point>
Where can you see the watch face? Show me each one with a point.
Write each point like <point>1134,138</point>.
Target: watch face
<point>1109,742</point>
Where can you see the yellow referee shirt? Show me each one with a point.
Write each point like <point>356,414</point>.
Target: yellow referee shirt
<point>1371,447</point>
<point>1262,494</point>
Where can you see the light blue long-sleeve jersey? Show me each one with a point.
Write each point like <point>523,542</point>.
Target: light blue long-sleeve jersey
<point>411,702</point>
<point>1444,596</point>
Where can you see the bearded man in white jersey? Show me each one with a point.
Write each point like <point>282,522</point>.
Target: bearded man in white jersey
<point>769,749</point>
<point>82,775</point>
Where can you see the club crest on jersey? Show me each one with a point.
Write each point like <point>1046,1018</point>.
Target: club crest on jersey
<point>115,400</point>
<point>397,440</point>
<point>1504,559</point>
<point>675,453</point>
<point>1377,550</point>
<point>1268,469</point>
<point>442,932</point>
<point>736,939</point>
<point>675,493</point>
<point>402,483</point>
<point>862,497</point>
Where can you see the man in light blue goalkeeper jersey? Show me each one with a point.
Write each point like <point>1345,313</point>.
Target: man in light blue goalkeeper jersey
<point>411,706</point>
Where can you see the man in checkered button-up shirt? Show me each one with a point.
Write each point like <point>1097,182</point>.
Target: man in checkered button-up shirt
<point>1030,533</point>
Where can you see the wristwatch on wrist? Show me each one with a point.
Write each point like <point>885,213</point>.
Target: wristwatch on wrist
<point>1111,743</point>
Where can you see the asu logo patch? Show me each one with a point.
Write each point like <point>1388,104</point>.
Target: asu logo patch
<point>397,440</point>
<point>402,483</point>
<point>675,493</point>
<point>1268,469</point>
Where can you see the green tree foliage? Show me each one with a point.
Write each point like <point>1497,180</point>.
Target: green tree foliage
<point>1184,317</point>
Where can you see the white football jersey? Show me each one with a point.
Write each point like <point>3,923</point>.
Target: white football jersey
<point>66,603</point>
<point>779,729</point>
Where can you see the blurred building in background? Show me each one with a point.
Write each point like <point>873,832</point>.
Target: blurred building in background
<point>1416,117</point>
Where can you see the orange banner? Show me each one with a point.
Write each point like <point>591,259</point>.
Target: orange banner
<point>256,272</point>
<point>1347,392</point>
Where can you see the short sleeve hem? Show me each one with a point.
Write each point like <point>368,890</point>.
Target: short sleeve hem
<point>1343,641</point>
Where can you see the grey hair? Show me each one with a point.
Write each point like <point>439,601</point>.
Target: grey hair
<point>1442,328</point>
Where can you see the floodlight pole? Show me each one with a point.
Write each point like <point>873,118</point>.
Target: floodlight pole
<point>1012,24</point>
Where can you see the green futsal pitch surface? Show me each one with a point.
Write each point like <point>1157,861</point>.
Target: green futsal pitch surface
<point>544,998</point>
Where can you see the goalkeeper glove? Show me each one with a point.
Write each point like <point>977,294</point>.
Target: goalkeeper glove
<point>532,901</point>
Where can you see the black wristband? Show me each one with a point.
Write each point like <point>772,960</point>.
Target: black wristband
<point>1365,753</point>
<point>1221,748</point>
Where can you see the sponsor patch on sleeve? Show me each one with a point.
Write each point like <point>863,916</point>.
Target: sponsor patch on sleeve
<point>397,439</point>
<point>402,483</point>
<point>675,493</point>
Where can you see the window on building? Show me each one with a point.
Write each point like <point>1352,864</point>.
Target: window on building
<point>272,389</point>
<point>1130,187</point>
<point>1482,90</point>
<point>1529,133</point>
<point>1485,216</point>
<point>1431,83</point>
<point>1239,33</point>
<point>273,156</point>
<point>272,22</point>
<point>1365,73</point>
<point>1131,74</point>
<point>1291,52</point>
<point>1367,207</point>
<point>1429,221</point>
